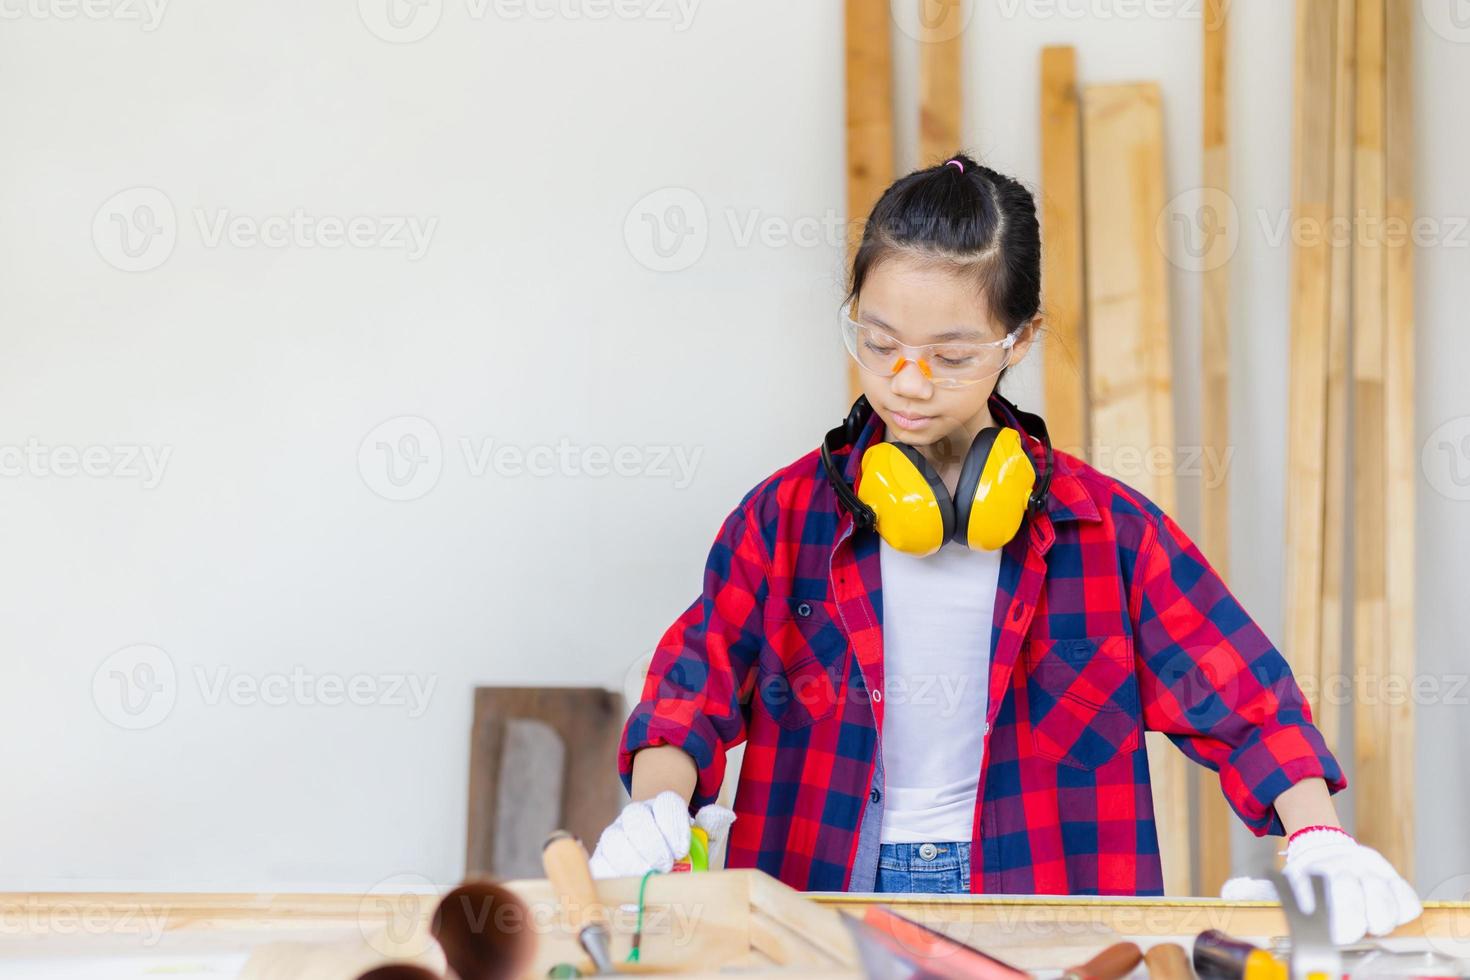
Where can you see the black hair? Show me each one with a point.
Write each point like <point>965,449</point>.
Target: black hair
<point>974,221</point>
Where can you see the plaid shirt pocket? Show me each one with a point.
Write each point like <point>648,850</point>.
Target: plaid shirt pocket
<point>1082,697</point>
<point>800,661</point>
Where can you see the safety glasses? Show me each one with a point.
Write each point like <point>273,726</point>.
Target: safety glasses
<point>950,365</point>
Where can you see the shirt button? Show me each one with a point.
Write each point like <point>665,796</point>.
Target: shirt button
<point>875,796</point>
<point>928,851</point>
<point>804,609</point>
<point>877,695</point>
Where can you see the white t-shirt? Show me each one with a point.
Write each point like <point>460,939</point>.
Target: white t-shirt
<point>937,614</point>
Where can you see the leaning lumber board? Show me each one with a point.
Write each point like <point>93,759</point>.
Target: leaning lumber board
<point>1065,346</point>
<point>941,84</point>
<point>869,122</point>
<point>1310,305</point>
<point>1370,653</point>
<point>1328,704</point>
<point>1129,377</point>
<point>1214,812</point>
<point>1401,462</point>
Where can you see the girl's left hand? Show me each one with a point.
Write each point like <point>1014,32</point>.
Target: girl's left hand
<point>1364,893</point>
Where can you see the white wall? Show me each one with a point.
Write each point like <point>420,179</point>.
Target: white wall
<point>520,147</point>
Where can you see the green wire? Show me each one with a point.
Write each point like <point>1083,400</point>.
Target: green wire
<point>638,929</point>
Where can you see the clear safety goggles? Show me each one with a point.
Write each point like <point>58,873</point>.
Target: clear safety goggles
<point>952,365</point>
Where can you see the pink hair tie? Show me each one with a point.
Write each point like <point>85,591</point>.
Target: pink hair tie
<point>957,164</point>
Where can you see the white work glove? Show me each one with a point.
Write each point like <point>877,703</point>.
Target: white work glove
<point>1364,893</point>
<point>653,834</point>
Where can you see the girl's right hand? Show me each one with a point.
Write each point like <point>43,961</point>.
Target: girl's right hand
<point>653,834</point>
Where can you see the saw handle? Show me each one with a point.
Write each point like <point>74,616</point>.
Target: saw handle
<point>1168,961</point>
<point>1113,963</point>
<point>565,861</point>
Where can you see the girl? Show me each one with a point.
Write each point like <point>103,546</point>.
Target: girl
<point>951,697</point>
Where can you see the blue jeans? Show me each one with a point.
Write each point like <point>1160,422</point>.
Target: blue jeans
<point>930,869</point>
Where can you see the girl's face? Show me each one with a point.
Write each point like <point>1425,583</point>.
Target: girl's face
<point>922,304</point>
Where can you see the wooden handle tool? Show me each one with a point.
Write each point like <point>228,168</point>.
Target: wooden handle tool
<point>1168,961</point>
<point>565,861</point>
<point>1113,963</point>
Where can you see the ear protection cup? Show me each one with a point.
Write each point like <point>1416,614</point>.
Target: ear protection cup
<point>913,509</point>
<point>915,514</point>
<point>994,488</point>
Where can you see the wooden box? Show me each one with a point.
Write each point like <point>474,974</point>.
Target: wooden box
<point>701,924</point>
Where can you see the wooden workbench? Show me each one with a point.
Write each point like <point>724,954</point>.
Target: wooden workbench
<point>212,935</point>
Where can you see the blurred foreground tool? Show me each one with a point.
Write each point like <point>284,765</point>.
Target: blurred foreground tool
<point>485,931</point>
<point>571,879</point>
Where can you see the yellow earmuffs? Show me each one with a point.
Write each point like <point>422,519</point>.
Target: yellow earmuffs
<point>902,496</point>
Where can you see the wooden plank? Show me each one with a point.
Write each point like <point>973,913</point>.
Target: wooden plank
<point>589,722</point>
<point>1328,704</point>
<point>194,913</point>
<point>1401,464</point>
<point>870,165</point>
<point>941,83</point>
<point>1215,819</point>
<point>1130,918</point>
<point>1310,307</point>
<point>1129,377</point>
<point>1064,351</point>
<point>1375,808</point>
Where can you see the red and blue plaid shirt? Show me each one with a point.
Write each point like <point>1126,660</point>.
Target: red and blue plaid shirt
<point>1108,622</point>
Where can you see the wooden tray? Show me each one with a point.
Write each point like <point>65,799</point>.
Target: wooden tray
<point>701,924</point>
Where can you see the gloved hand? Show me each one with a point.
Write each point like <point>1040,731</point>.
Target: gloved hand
<point>653,834</point>
<point>1364,893</point>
